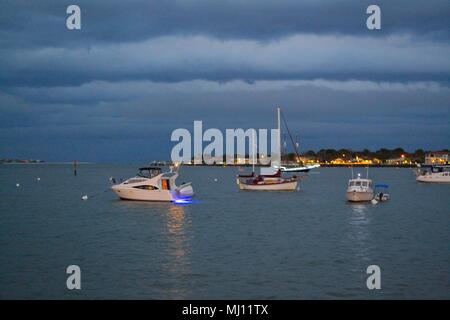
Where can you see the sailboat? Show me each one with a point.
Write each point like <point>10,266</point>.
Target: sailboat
<point>298,167</point>
<point>269,179</point>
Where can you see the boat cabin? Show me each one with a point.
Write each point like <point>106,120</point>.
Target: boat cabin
<point>364,183</point>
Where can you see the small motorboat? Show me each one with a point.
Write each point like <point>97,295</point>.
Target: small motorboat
<point>305,168</point>
<point>151,184</point>
<point>359,189</point>
<point>381,192</point>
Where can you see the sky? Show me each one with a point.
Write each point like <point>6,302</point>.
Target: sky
<point>137,70</point>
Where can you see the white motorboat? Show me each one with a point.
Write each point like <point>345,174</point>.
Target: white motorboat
<point>151,184</point>
<point>299,168</point>
<point>359,189</point>
<point>433,174</point>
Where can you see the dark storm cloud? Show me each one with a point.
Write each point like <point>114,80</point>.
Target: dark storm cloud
<point>175,58</point>
<point>114,90</point>
<point>224,40</point>
<point>137,125</point>
<point>41,23</point>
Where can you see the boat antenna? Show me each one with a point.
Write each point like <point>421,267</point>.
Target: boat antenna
<point>367,172</point>
<point>352,172</point>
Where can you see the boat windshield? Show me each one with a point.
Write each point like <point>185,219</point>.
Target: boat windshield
<point>357,183</point>
<point>149,172</point>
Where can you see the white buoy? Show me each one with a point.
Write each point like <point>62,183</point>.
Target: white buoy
<point>215,179</point>
<point>17,185</point>
<point>374,201</point>
<point>38,179</point>
<point>85,197</point>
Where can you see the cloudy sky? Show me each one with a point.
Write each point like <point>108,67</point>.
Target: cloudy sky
<point>116,89</point>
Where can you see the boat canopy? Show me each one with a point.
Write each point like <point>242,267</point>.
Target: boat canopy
<point>149,172</point>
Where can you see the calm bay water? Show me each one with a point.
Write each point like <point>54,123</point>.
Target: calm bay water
<point>228,244</point>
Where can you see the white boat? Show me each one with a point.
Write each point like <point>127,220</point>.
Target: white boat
<point>299,168</point>
<point>433,174</point>
<point>151,184</point>
<point>360,190</point>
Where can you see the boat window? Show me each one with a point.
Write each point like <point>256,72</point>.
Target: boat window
<point>358,183</point>
<point>165,184</point>
<point>134,181</point>
<point>149,172</point>
<point>364,184</point>
<point>146,187</point>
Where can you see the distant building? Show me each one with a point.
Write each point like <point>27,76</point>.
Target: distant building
<point>438,157</point>
<point>394,161</point>
<point>403,160</point>
<point>338,161</point>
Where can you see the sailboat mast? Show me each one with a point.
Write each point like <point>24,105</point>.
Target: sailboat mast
<point>279,131</point>
<point>253,152</point>
<point>279,125</point>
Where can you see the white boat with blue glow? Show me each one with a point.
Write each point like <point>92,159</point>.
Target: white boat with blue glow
<point>151,184</point>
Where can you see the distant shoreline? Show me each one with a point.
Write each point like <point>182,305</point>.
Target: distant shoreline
<point>222,165</point>
<point>40,163</point>
<point>321,165</point>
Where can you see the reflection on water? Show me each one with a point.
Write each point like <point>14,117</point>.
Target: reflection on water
<point>231,245</point>
<point>358,207</point>
<point>359,231</point>
<point>177,232</point>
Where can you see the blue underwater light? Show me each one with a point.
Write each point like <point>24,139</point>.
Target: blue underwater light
<point>183,201</point>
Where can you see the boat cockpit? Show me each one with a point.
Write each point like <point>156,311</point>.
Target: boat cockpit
<point>148,172</point>
<point>360,183</point>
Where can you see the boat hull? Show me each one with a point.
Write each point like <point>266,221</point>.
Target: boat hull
<point>143,195</point>
<point>433,178</point>
<point>286,186</point>
<point>356,196</point>
<point>299,169</point>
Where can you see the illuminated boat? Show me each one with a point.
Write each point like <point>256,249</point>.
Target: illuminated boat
<point>151,184</point>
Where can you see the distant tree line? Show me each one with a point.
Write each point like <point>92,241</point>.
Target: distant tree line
<point>381,154</point>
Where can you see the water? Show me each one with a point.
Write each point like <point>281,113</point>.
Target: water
<point>229,244</point>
